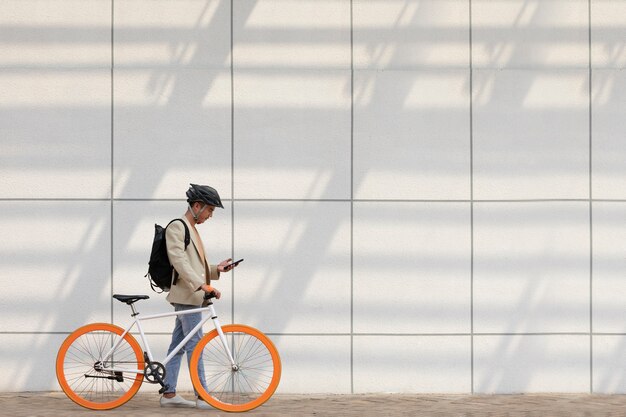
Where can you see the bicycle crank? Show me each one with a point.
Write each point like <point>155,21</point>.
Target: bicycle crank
<point>154,373</point>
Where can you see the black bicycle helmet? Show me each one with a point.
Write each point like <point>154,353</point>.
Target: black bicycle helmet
<point>204,194</point>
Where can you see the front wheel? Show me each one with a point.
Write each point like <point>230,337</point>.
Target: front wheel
<point>96,382</point>
<point>242,387</point>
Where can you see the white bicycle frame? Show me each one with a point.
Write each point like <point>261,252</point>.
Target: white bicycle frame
<point>137,321</point>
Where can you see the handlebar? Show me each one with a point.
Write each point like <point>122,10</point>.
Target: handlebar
<point>208,296</point>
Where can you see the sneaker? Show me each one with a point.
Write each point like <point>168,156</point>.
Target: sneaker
<point>177,401</point>
<point>203,405</point>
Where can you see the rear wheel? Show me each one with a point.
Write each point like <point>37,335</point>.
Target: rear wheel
<point>248,384</point>
<point>84,376</point>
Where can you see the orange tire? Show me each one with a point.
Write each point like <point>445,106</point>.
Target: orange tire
<point>76,367</point>
<point>244,387</point>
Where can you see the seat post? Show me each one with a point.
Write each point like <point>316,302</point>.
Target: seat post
<point>132,307</point>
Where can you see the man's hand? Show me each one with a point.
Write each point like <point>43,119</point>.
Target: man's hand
<point>209,289</point>
<point>222,265</point>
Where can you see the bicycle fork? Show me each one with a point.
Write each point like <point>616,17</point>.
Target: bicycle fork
<point>218,327</point>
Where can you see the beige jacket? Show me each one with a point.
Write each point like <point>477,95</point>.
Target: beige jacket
<point>191,272</point>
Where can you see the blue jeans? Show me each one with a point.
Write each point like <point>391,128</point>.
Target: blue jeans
<point>184,324</point>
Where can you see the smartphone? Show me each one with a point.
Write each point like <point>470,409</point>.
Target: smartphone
<point>230,265</point>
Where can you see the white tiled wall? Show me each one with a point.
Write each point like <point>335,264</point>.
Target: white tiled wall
<point>411,134</point>
<point>60,34</point>
<point>292,137</point>
<point>531,363</point>
<point>412,267</point>
<point>430,364</point>
<point>315,364</point>
<point>56,133</point>
<point>531,267</point>
<point>428,194</point>
<point>609,286</point>
<point>170,124</point>
<point>55,265</point>
<point>609,131</point>
<point>530,34</point>
<point>410,34</point>
<point>608,27</point>
<point>608,356</point>
<point>531,134</point>
<point>165,33</point>
<point>296,274</point>
<point>281,34</point>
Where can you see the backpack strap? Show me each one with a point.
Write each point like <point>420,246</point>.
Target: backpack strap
<point>187,240</point>
<point>187,236</point>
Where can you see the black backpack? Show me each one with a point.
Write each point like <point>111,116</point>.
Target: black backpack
<point>159,267</point>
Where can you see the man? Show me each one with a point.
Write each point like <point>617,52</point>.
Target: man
<point>191,280</point>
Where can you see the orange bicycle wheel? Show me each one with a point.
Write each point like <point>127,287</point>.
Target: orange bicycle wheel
<point>242,387</point>
<point>83,374</point>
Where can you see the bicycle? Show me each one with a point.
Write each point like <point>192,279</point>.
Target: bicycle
<point>101,366</point>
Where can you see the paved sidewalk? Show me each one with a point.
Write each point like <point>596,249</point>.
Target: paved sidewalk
<point>56,404</point>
